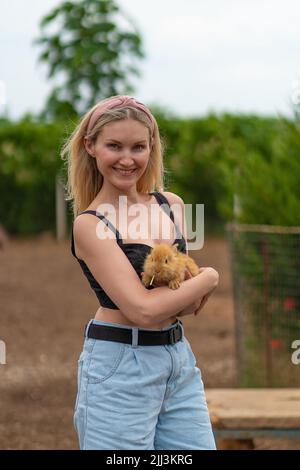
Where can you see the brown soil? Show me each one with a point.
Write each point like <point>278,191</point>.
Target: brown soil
<point>45,303</point>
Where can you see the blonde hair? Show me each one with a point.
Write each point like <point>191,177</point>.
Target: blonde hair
<point>84,179</point>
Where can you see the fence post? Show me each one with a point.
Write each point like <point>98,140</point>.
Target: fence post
<point>61,218</point>
<point>267,313</point>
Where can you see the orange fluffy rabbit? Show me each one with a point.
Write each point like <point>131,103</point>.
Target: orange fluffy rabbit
<point>165,265</point>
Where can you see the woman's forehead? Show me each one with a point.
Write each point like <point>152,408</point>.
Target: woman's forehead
<point>125,130</point>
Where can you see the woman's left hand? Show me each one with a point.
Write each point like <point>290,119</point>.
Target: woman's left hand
<point>203,301</point>
<point>194,308</point>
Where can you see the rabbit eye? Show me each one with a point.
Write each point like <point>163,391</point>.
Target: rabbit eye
<point>166,260</point>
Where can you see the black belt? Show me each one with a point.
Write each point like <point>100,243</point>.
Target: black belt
<point>145,337</point>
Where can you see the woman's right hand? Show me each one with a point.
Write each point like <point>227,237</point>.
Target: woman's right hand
<point>190,309</point>
<point>193,307</point>
<point>197,306</point>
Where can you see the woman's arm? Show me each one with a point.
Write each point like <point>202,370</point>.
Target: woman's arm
<point>162,303</point>
<point>196,306</point>
<point>115,274</point>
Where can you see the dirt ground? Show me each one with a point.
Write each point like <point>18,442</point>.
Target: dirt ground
<point>45,303</point>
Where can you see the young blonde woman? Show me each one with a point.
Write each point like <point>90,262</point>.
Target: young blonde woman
<point>138,383</point>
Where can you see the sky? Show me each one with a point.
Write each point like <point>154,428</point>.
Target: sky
<point>201,55</point>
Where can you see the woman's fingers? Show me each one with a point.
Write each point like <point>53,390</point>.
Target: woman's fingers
<point>187,274</point>
<point>203,302</point>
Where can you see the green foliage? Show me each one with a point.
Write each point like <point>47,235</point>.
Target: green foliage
<point>91,51</point>
<point>29,161</point>
<point>210,160</point>
<point>224,160</point>
<point>262,170</point>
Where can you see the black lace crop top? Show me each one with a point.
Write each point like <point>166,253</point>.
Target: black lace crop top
<point>135,252</point>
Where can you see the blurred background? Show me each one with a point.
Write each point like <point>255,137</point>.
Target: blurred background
<point>223,81</point>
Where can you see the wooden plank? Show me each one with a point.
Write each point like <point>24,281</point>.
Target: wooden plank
<point>254,408</point>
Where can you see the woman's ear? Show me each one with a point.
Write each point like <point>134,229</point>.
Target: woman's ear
<point>89,146</point>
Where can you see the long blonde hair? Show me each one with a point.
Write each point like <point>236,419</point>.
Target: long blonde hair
<point>84,179</point>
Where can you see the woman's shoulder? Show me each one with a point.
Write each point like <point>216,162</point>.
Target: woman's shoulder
<point>178,209</point>
<point>172,198</point>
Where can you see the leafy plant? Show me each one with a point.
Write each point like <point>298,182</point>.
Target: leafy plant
<point>90,53</point>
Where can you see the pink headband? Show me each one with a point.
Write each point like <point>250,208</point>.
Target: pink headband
<point>119,101</point>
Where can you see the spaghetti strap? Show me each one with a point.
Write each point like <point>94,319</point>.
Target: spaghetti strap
<point>72,243</point>
<point>165,205</point>
<point>107,223</point>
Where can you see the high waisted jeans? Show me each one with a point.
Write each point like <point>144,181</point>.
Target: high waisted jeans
<point>140,397</point>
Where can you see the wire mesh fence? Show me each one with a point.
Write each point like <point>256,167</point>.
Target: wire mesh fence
<point>265,264</point>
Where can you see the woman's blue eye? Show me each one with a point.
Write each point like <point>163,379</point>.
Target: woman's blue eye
<point>116,145</point>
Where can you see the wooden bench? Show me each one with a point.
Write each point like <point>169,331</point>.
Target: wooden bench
<point>239,415</point>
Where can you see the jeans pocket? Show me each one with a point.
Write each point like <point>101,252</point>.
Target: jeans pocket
<point>105,359</point>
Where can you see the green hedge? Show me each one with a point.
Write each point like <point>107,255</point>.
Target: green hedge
<point>209,160</point>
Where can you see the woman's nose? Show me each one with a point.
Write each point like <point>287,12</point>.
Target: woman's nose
<point>126,159</point>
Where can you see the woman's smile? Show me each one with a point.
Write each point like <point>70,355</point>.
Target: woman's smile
<point>124,172</point>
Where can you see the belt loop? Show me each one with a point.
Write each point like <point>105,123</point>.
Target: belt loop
<point>135,337</point>
<point>87,328</point>
<point>182,329</point>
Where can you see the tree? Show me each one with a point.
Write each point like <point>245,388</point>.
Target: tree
<point>91,53</point>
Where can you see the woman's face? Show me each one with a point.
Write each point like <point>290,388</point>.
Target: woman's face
<point>121,145</point>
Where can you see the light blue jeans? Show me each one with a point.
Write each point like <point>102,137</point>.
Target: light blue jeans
<point>136,397</point>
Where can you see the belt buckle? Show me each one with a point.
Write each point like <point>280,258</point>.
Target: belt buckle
<point>175,334</point>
